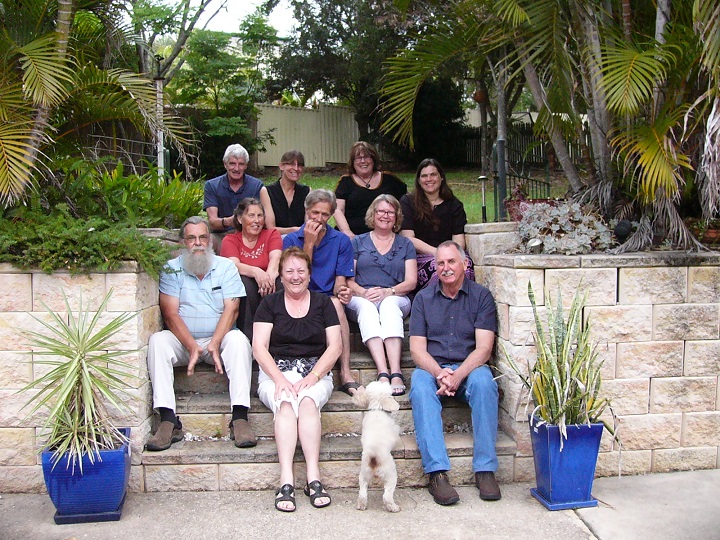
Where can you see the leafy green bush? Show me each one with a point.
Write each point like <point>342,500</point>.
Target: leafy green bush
<point>57,241</point>
<point>102,189</point>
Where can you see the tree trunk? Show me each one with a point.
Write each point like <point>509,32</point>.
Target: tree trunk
<point>556,137</point>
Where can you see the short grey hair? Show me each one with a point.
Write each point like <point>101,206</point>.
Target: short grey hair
<point>194,220</point>
<point>321,195</point>
<point>453,243</point>
<point>237,151</point>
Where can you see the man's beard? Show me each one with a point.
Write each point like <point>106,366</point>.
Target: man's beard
<point>198,265</point>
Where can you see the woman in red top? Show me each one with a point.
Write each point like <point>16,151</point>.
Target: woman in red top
<point>256,254</point>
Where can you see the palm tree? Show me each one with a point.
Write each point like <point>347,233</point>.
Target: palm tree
<point>53,86</point>
<point>647,97</point>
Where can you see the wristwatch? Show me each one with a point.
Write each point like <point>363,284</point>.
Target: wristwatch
<point>392,290</point>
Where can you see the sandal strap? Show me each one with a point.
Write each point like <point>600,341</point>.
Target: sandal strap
<point>398,375</point>
<point>384,375</point>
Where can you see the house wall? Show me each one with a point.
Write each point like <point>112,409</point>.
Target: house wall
<point>24,295</point>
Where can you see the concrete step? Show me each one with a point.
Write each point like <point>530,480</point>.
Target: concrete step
<point>218,465</point>
<point>206,381</point>
<point>208,415</point>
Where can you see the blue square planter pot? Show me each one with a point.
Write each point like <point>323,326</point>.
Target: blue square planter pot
<point>564,479</point>
<point>98,494</point>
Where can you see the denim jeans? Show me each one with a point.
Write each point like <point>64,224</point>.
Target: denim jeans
<point>479,390</point>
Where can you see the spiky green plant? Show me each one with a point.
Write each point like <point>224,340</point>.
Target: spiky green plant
<point>565,380</point>
<point>86,377</point>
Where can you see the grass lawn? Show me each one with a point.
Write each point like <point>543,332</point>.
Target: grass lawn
<point>464,184</point>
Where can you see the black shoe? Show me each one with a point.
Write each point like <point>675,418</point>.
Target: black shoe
<point>442,491</point>
<point>487,486</point>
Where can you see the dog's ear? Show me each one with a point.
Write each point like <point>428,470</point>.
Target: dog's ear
<point>389,404</point>
<point>361,398</point>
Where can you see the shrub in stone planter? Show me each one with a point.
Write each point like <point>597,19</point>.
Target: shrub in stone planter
<point>566,228</point>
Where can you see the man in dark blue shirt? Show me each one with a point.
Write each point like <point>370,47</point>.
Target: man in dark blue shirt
<point>452,333</point>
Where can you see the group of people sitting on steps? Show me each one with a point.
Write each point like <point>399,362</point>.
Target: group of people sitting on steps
<point>393,254</point>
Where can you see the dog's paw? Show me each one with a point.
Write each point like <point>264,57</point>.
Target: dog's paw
<point>361,503</point>
<point>392,506</point>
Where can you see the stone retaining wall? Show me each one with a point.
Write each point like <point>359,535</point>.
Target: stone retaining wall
<point>23,296</point>
<point>656,320</point>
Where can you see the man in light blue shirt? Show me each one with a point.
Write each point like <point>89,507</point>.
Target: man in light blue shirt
<point>199,301</point>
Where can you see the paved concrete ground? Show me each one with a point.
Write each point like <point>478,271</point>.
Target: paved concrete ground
<point>673,506</point>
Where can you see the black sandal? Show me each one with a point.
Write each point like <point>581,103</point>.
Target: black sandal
<point>318,492</point>
<point>398,389</point>
<point>285,494</point>
<point>383,375</point>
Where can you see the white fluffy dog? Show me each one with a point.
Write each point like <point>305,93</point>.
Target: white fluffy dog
<point>380,433</point>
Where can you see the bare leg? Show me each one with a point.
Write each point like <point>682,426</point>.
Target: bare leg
<point>309,430</point>
<point>286,436</point>
<point>393,346</point>
<point>345,375</point>
<point>377,351</point>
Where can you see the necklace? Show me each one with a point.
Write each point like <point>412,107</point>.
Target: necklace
<point>383,243</point>
<point>299,309</point>
<point>368,182</point>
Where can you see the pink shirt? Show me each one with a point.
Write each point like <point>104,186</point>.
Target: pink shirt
<point>259,256</point>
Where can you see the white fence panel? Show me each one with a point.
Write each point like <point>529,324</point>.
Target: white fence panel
<point>323,135</point>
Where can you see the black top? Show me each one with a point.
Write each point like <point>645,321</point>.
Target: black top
<point>288,216</point>
<point>451,220</point>
<point>297,338</point>
<point>358,198</point>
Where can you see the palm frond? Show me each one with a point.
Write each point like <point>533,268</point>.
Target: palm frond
<point>45,73</point>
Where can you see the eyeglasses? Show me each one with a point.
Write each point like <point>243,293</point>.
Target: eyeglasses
<point>363,158</point>
<point>389,213</point>
<point>192,239</point>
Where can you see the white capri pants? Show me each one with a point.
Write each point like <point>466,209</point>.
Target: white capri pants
<point>383,320</point>
<point>165,352</point>
<point>319,392</point>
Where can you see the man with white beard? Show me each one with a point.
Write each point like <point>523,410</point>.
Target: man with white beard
<point>452,332</point>
<point>199,301</point>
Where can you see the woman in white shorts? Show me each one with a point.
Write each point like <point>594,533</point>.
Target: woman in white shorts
<point>296,342</point>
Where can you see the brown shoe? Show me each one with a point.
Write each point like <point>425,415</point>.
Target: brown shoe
<point>487,486</point>
<point>242,434</point>
<point>442,491</point>
<point>167,433</point>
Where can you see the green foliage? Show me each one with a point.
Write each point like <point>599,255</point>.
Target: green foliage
<point>31,239</point>
<point>566,228</point>
<point>565,380</point>
<point>142,200</point>
<point>86,376</point>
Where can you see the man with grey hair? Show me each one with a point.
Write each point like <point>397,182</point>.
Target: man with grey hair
<point>199,300</point>
<point>452,333</point>
<point>332,263</point>
<point>222,194</point>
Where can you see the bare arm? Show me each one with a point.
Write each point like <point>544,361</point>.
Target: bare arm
<point>341,289</point>
<point>341,220</point>
<point>267,208</point>
<point>420,246</point>
<point>459,239</point>
<point>217,224</point>
<point>231,306</point>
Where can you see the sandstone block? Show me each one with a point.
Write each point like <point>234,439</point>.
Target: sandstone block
<point>704,284</point>
<point>342,422</point>
<point>702,358</point>
<point>17,446</point>
<point>701,429</point>
<point>181,478</point>
<point>15,370</point>
<point>17,292</point>
<point>685,321</point>
<point>13,325</point>
<point>522,324</point>
<point>625,462</point>
<point>48,291</point>
<point>650,431</point>
<point>600,284</point>
<point>131,291</point>
<point>658,285</point>
<point>686,394</point>
<point>490,243</point>
<point>620,323</point>
<point>649,359</point>
<point>607,354</point>
<point>137,479</point>
<point>503,315</point>
<point>206,425</point>
<point>510,285</point>
<point>251,476</point>
<point>628,396</point>
<point>23,479</point>
<point>684,459</point>
<point>524,469</point>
